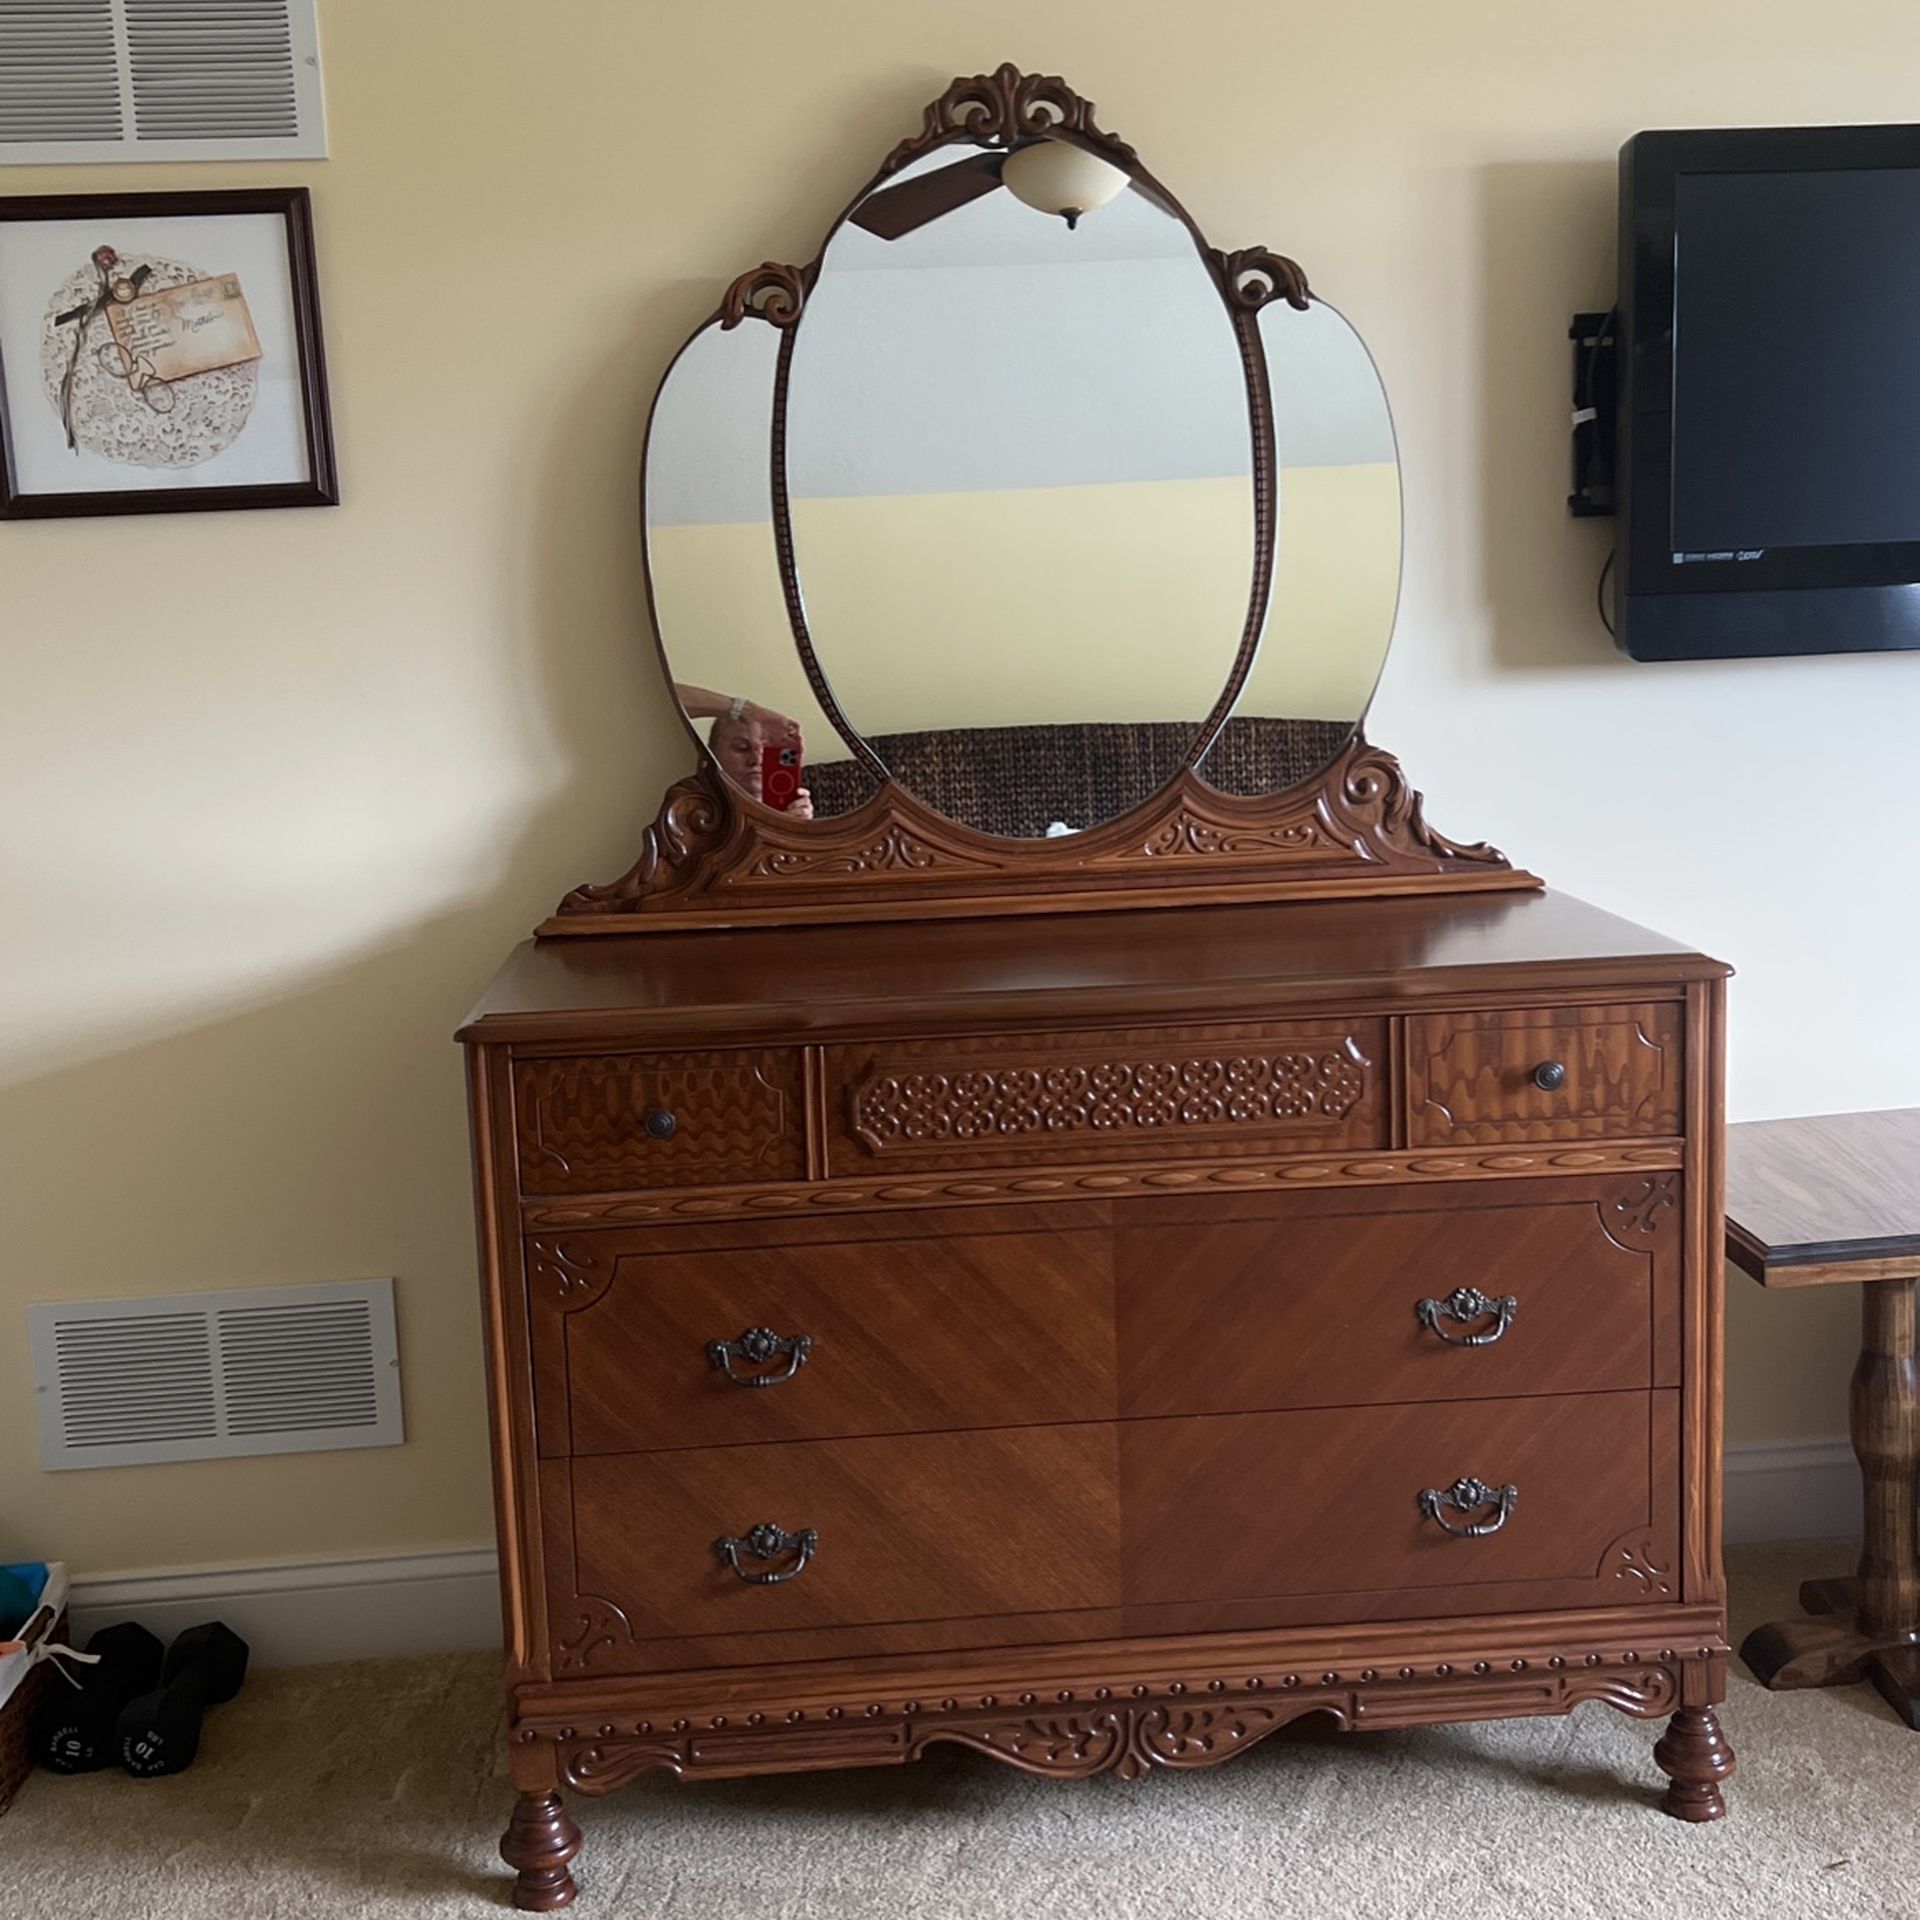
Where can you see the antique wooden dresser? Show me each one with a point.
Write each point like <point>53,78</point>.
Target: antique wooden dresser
<point>1093,1299</point>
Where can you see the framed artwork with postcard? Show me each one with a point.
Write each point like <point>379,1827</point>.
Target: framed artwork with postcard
<point>159,353</point>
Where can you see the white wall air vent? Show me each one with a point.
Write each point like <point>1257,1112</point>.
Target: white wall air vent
<point>206,1376</point>
<point>159,80</point>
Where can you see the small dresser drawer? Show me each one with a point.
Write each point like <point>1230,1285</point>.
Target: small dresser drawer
<point>1200,1092</point>
<point>1575,1501</point>
<point>1572,1073</point>
<point>623,1123</point>
<point>1446,1292</point>
<point>768,1340</point>
<point>919,1527</point>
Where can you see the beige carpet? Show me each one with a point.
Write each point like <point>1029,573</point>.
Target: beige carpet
<point>376,1789</point>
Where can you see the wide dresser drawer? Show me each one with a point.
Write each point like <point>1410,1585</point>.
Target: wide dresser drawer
<point>741,1334</point>
<point>816,1549</point>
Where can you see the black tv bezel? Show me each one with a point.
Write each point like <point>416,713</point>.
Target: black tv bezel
<point>1820,599</point>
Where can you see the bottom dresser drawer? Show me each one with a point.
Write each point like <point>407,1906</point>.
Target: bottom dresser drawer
<point>716,1556</point>
<point>1427,1505</point>
<point>929,1526</point>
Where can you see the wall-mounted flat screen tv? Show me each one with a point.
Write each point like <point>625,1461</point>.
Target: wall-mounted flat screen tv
<point>1769,430</point>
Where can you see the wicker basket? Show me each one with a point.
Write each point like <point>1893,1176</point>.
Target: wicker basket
<point>49,1623</point>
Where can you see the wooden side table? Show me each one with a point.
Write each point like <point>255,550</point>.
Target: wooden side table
<point>1823,1202</point>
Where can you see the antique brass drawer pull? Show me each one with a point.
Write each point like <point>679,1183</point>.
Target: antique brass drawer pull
<point>757,1346</point>
<point>1550,1075</point>
<point>1470,1496</point>
<point>1463,1306</point>
<point>768,1542</point>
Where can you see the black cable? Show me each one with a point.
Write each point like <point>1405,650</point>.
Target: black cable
<point>1600,594</point>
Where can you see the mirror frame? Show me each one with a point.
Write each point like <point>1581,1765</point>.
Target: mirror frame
<point>716,856</point>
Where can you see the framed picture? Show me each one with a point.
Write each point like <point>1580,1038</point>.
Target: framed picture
<point>160,353</point>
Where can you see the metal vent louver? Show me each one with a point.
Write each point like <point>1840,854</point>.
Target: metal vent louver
<point>207,1376</point>
<point>159,80</point>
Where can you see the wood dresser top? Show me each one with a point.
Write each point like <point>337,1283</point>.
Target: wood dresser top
<point>1088,967</point>
<point>1832,1198</point>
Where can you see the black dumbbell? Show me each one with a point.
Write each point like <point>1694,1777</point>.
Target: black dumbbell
<point>76,1729</point>
<point>159,1732</point>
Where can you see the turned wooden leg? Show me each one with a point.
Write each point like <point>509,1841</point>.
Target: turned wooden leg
<point>1867,1627</point>
<point>1884,1418</point>
<point>1694,1755</point>
<point>539,1845</point>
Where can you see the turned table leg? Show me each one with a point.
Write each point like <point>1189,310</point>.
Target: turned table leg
<point>1694,1755</point>
<point>540,1843</point>
<point>1868,1627</point>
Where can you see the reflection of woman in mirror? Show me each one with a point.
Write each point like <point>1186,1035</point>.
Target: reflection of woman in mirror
<point>740,736</point>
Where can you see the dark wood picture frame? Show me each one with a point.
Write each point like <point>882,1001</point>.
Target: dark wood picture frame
<point>294,207</point>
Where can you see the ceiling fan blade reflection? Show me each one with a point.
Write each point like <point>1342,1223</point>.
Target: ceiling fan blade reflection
<point>896,211</point>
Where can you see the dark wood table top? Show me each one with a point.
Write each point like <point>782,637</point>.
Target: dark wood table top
<point>1832,1198</point>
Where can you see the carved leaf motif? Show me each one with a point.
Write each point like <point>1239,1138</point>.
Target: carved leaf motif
<point>1255,275</point>
<point>596,1628</point>
<point>771,292</point>
<point>896,850</point>
<point>569,1273</point>
<point>1069,1746</point>
<point>1372,782</point>
<point>692,825</point>
<point>1644,1208</point>
<point>1199,1736</point>
<point>1631,1559</point>
<point>1190,833</point>
<point>1001,108</point>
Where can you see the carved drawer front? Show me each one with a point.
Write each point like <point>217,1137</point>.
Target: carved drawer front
<point>1577,1073</point>
<point>1377,1509</point>
<point>1175,1091</point>
<point>616,1123</point>
<point>764,1341</point>
<point>1429,1293</point>
<point>924,1527</point>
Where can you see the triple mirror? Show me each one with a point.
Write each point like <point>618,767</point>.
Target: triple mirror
<point>1021,497</point>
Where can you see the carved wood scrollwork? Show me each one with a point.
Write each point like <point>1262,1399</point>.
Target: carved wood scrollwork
<point>1254,275</point>
<point>1631,1560</point>
<point>568,1275</point>
<point>1127,1736</point>
<point>714,857</point>
<point>1640,1210</point>
<point>771,292</point>
<point>593,1629</point>
<point>1003,107</point>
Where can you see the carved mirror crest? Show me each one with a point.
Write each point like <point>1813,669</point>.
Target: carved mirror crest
<point>1022,550</point>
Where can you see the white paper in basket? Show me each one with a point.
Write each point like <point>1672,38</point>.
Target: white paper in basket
<point>17,1658</point>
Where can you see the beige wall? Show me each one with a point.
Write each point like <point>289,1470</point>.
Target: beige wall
<point>278,789</point>
<point>1140,590</point>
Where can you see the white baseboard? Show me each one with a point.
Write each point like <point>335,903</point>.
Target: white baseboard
<point>1792,1490</point>
<point>295,1613</point>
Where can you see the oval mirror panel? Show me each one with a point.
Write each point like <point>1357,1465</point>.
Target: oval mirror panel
<point>1336,575</point>
<point>711,564</point>
<point>1019,466</point>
